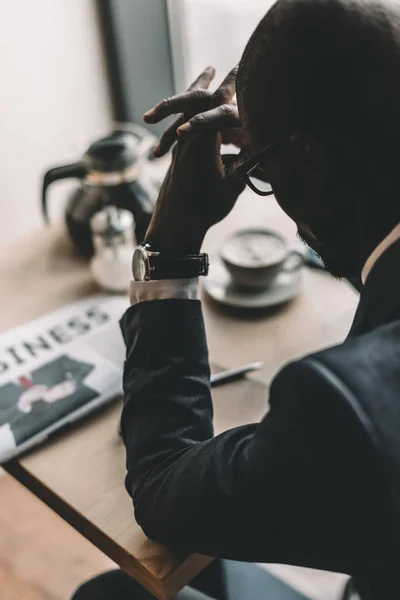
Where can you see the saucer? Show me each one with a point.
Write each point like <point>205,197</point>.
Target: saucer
<point>219,285</point>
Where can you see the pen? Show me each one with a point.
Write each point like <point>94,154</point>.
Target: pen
<point>234,374</point>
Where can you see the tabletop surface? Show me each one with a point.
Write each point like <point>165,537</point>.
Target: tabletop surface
<point>80,474</point>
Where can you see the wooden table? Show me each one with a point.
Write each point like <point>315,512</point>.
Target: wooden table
<point>81,473</point>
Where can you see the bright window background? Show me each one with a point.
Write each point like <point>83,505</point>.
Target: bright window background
<point>211,32</point>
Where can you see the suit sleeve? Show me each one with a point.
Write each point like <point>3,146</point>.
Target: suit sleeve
<point>256,493</point>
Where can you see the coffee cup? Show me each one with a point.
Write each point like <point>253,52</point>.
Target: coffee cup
<point>256,257</point>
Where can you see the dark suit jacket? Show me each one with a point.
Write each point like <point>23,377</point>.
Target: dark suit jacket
<point>316,483</point>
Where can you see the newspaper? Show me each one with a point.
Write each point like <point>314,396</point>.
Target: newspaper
<point>58,368</point>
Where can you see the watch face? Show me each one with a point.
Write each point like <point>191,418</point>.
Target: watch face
<point>139,265</point>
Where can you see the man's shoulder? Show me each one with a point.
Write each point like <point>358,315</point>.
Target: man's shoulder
<point>367,363</point>
<point>365,359</point>
<point>359,378</point>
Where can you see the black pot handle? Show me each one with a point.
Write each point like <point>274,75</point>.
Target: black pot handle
<point>77,170</point>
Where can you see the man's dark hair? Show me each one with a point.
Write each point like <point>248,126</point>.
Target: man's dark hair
<point>331,68</point>
<point>335,64</point>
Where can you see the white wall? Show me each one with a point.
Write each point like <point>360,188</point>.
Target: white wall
<point>54,100</point>
<point>211,32</point>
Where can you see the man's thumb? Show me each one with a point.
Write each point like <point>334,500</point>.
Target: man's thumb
<point>230,162</point>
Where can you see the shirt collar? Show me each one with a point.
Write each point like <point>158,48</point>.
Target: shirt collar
<point>390,239</point>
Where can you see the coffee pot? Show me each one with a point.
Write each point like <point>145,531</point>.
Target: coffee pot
<point>116,170</point>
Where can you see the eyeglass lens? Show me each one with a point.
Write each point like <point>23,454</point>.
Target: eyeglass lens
<point>257,177</point>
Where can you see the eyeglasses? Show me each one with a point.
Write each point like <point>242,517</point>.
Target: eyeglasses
<point>254,175</point>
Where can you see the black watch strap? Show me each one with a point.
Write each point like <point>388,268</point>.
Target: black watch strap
<point>178,267</point>
<point>167,266</point>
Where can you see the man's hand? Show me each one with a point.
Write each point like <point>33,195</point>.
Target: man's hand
<point>202,111</point>
<point>200,188</point>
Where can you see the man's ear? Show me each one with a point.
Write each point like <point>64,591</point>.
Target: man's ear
<point>309,162</point>
<point>299,178</point>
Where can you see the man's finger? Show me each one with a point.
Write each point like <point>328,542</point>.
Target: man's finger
<point>181,102</point>
<point>230,162</point>
<point>217,119</point>
<point>168,138</point>
<point>203,81</point>
<point>225,92</point>
<point>176,104</point>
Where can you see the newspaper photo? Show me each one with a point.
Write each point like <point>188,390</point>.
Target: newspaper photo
<point>58,368</point>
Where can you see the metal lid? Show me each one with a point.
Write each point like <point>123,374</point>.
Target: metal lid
<point>111,221</point>
<point>115,152</point>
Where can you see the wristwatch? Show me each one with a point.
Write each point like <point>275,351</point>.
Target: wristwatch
<point>150,265</point>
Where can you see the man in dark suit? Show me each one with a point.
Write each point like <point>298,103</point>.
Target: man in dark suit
<point>317,482</point>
